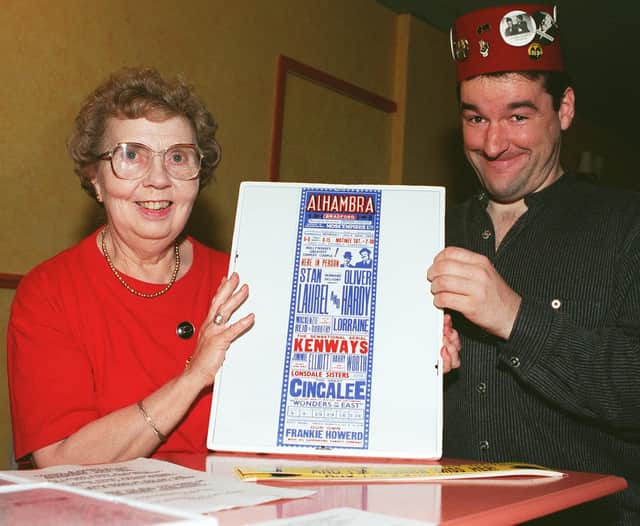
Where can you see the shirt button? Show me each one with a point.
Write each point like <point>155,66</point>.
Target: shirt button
<point>484,444</point>
<point>514,361</point>
<point>556,304</point>
<point>481,387</point>
<point>185,330</point>
<point>481,196</point>
<point>486,234</point>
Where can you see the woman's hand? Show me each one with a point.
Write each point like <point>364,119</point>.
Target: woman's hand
<point>451,346</point>
<point>216,335</point>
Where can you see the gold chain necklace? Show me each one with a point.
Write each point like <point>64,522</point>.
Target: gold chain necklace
<point>174,275</point>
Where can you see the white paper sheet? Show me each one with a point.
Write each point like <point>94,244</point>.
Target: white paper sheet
<point>46,504</point>
<point>343,517</point>
<point>157,482</point>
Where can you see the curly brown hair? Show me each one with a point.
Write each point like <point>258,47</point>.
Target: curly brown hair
<point>132,93</point>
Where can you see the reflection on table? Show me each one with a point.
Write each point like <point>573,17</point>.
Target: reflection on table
<point>504,500</point>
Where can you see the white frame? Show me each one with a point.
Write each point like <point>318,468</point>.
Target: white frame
<point>406,401</point>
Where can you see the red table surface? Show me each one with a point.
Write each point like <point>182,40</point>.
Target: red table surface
<point>496,501</point>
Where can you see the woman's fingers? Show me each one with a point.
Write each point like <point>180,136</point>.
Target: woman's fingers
<point>217,333</point>
<point>213,347</point>
<point>228,307</point>
<point>226,300</point>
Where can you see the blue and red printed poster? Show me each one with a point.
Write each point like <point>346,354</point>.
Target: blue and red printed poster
<point>326,382</point>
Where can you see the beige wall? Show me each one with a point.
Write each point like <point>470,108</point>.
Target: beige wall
<point>431,147</point>
<point>54,53</point>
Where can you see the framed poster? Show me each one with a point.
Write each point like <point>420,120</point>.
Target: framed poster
<point>344,356</point>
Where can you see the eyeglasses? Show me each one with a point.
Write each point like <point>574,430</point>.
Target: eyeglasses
<point>132,160</point>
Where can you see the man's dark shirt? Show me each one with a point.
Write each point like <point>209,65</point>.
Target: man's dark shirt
<point>564,390</point>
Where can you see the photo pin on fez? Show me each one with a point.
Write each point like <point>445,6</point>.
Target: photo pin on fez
<point>518,37</point>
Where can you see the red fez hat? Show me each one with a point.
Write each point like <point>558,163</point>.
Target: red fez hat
<point>519,37</point>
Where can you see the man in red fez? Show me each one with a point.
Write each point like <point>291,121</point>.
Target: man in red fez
<point>541,272</point>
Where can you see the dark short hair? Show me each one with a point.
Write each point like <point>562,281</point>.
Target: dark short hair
<point>364,249</point>
<point>132,93</point>
<point>555,83</point>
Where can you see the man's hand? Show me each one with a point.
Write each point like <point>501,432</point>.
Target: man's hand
<point>467,282</point>
<point>450,351</point>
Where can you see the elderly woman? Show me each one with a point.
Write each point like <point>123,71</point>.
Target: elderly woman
<point>113,344</point>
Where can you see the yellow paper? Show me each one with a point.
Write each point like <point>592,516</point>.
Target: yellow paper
<point>391,472</point>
